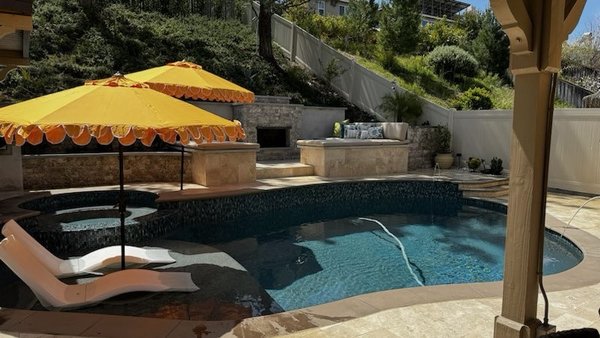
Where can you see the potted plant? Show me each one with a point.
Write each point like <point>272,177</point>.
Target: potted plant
<point>442,140</point>
<point>474,163</point>
<point>495,168</point>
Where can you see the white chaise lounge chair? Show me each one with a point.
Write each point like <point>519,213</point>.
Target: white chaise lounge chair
<point>53,293</point>
<point>89,263</point>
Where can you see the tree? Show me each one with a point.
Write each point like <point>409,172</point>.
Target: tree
<point>491,46</point>
<point>585,51</point>
<point>362,15</point>
<point>470,22</point>
<point>362,19</point>
<point>400,22</point>
<point>265,14</point>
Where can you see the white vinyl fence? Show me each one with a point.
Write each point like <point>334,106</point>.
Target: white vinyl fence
<point>575,152</point>
<point>355,83</point>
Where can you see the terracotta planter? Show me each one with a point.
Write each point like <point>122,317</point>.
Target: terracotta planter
<point>444,161</point>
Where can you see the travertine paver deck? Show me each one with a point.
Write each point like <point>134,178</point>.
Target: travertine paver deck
<point>461,318</point>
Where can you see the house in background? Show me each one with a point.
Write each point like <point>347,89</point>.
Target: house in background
<point>15,27</point>
<point>431,10</point>
<point>329,7</point>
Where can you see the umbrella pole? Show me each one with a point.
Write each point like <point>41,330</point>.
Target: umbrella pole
<point>182,153</point>
<point>122,205</point>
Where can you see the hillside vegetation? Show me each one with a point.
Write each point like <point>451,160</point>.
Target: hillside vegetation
<point>71,44</point>
<point>461,63</point>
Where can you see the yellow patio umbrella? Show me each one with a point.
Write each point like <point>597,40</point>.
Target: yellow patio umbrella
<point>183,79</point>
<point>113,108</point>
<point>188,80</point>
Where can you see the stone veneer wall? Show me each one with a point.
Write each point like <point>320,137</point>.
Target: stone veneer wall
<point>80,170</point>
<point>418,156</point>
<point>272,114</point>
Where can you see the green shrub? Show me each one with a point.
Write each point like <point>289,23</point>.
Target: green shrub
<point>387,60</point>
<point>438,140</point>
<point>443,139</point>
<point>452,62</point>
<point>402,107</point>
<point>475,99</point>
<point>441,33</point>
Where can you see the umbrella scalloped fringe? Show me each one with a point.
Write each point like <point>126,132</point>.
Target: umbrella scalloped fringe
<point>127,135</point>
<point>209,94</point>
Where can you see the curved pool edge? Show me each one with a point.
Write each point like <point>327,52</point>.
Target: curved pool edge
<point>586,273</point>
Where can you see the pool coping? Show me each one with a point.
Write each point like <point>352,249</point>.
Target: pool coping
<point>584,274</point>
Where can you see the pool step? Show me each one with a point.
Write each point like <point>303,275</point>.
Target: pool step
<point>276,169</point>
<point>493,191</point>
<point>490,187</point>
<point>482,183</point>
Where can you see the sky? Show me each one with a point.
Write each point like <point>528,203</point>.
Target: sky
<point>591,12</point>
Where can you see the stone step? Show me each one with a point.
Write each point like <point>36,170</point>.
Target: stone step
<point>494,191</point>
<point>479,184</point>
<point>277,169</point>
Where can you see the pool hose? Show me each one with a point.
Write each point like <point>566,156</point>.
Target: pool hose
<point>401,247</point>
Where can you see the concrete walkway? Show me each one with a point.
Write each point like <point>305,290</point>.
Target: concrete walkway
<point>573,308</point>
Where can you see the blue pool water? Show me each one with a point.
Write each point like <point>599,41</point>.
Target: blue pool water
<point>325,261</point>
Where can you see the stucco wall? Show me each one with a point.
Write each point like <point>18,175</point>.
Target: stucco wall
<point>224,110</point>
<point>317,122</point>
<point>79,170</point>
<point>11,174</point>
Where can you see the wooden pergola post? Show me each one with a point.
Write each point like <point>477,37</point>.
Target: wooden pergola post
<point>536,29</point>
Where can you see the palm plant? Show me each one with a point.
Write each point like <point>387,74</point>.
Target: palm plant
<point>402,107</point>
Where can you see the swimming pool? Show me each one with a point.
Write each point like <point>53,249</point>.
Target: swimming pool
<point>320,262</point>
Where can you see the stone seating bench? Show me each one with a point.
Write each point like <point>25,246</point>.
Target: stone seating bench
<point>343,157</point>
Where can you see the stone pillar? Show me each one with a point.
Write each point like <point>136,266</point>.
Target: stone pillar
<point>225,163</point>
<point>11,169</point>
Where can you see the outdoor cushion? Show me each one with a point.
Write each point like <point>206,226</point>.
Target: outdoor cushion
<point>395,130</point>
<point>376,132</point>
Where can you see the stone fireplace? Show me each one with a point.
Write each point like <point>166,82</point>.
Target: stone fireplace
<point>274,124</point>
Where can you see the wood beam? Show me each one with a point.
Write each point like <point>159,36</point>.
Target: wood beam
<point>16,6</point>
<point>573,10</point>
<point>547,20</point>
<point>516,22</point>
<point>5,30</point>
<point>18,22</point>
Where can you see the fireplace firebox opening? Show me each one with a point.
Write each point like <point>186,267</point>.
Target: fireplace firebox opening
<point>273,137</point>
